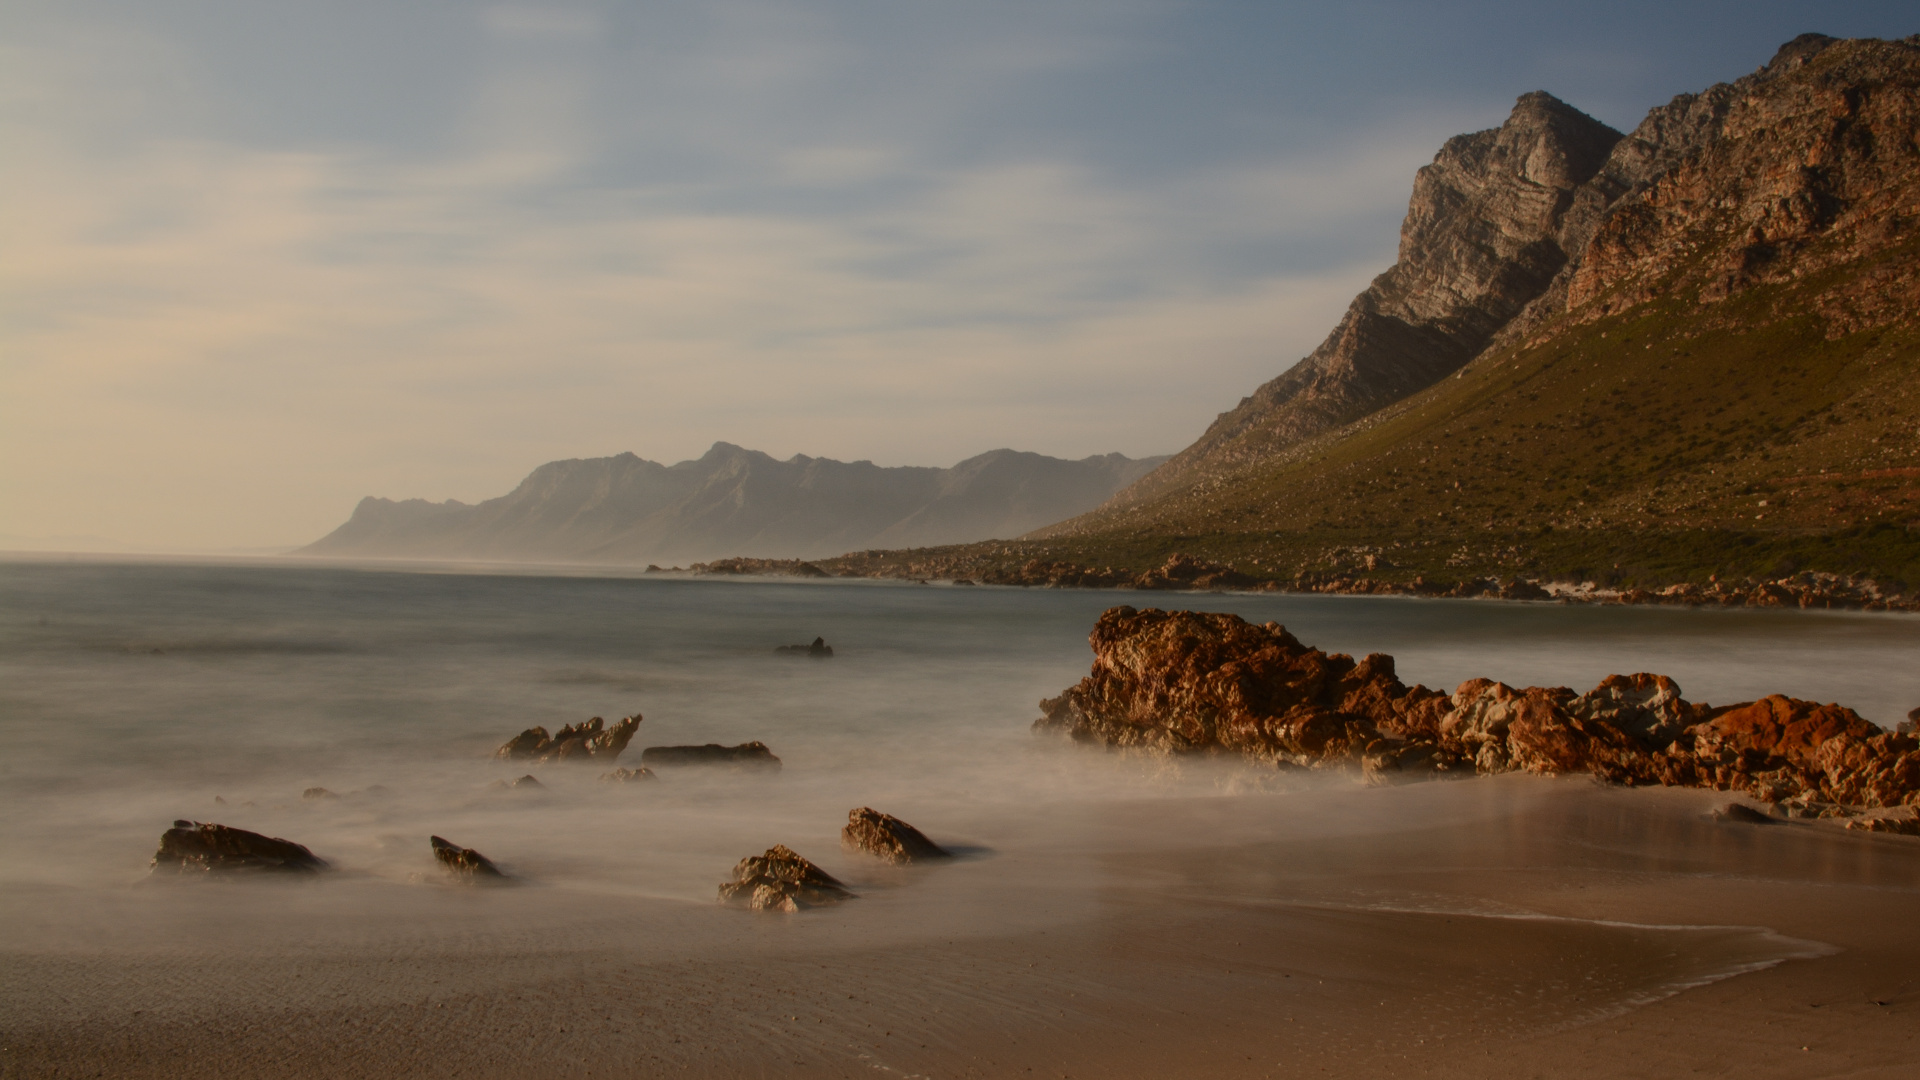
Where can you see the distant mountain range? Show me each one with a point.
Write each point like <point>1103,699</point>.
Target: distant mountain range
<point>734,501</point>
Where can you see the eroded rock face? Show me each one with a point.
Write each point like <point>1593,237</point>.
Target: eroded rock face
<point>888,838</point>
<point>627,776</point>
<point>1184,681</point>
<point>752,755</point>
<point>781,880</point>
<point>591,740</point>
<point>191,847</point>
<point>464,862</point>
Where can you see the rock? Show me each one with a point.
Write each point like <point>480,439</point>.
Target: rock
<point>781,880</point>
<point>752,755</point>
<point>819,650</point>
<point>318,793</point>
<point>1744,814</point>
<point>464,862</point>
<point>525,783</point>
<point>626,776</point>
<point>591,740</point>
<point>1895,826</point>
<point>887,837</point>
<point>969,581</point>
<point>192,847</point>
<point>1183,682</point>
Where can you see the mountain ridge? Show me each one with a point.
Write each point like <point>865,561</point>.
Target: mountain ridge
<point>732,501</point>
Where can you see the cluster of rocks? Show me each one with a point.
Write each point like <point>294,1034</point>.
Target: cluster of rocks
<point>819,650</point>
<point>591,740</point>
<point>1182,681</point>
<point>1808,590</point>
<point>754,755</point>
<point>781,879</point>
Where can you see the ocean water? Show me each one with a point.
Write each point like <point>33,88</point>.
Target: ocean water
<point>135,693</point>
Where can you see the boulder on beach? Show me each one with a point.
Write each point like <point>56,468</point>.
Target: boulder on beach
<point>887,837</point>
<point>192,847</point>
<point>781,880</point>
<point>464,862</point>
<point>819,650</point>
<point>751,755</point>
<point>1194,682</point>
<point>591,740</point>
<point>626,776</point>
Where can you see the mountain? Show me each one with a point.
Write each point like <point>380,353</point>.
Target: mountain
<point>734,501</point>
<point>1652,358</point>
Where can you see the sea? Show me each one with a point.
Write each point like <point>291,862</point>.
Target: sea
<point>134,693</point>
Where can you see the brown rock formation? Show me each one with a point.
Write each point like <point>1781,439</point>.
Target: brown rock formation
<point>463,862</point>
<point>627,776</point>
<point>751,755</point>
<point>591,740</point>
<point>887,837</point>
<point>191,847</point>
<point>781,880</point>
<point>1185,681</point>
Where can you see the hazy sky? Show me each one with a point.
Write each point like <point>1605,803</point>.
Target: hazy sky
<point>258,259</point>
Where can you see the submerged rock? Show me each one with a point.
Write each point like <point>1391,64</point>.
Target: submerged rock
<point>1744,814</point>
<point>591,740</point>
<point>1182,681</point>
<point>751,755</point>
<point>626,776</point>
<point>192,847</point>
<point>781,880</point>
<point>464,862</point>
<point>819,650</point>
<point>887,837</point>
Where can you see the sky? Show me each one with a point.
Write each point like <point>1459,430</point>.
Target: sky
<point>259,259</point>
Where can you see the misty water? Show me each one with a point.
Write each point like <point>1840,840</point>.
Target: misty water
<point>132,694</point>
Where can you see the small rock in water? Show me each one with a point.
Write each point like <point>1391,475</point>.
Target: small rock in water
<point>191,847</point>
<point>464,862</point>
<point>752,755</point>
<point>318,793</point>
<point>819,650</point>
<point>781,880</point>
<point>591,740</point>
<point>887,837</point>
<point>626,776</point>
<point>1897,826</point>
<point>1741,812</point>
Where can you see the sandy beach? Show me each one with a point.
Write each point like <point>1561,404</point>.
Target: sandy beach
<point>1509,927</point>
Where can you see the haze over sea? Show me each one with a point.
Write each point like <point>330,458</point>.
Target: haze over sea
<point>134,693</point>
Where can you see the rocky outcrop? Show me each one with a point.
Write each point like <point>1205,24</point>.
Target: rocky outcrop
<point>749,756</point>
<point>589,741</point>
<point>888,838</point>
<point>194,848</point>
<point>1187,682</point>
<point>464,862</point>
<point>1481,240</point>
<point>759,567</point>
<point>781,880</point>
<point>819,650</point>
<point>627,776</point>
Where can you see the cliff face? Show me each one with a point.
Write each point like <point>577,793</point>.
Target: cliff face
<point>734,501</point>
<point>1714,323</point>
<point>1480,241</point>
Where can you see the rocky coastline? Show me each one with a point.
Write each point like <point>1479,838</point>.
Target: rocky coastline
<point>1183,682</point>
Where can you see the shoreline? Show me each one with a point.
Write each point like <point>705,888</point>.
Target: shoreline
<point>1238,936</point>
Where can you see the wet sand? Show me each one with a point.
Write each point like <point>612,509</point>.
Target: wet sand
<point>1504,927</point>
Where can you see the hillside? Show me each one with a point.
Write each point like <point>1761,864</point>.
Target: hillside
<point>734,501</point>
<point>1718,373</point>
